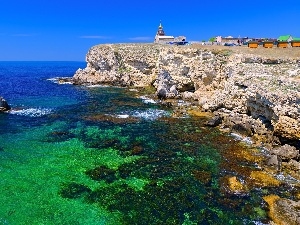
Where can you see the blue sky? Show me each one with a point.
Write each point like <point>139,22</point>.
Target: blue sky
<point>65,29</point>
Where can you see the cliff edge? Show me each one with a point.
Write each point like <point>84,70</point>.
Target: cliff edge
<point>255,94</point>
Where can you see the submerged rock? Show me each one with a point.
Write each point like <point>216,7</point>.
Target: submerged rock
<point>233,185</point>
<point>283,211</point>
<point>294,165</point>
<point>102,173</point>
<point>274,161</point>
<point>4,105</point>
<point>73,190</point>
<point>213,122</point>
<point>263,179</point>
<point>64,80</point>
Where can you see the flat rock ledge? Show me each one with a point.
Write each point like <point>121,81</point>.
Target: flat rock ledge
<point>4,105</point>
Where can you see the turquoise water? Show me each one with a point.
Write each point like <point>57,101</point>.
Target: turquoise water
<point>101,155</point>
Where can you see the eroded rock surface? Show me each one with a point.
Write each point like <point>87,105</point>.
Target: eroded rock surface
<point>283,211</point>
<point>253,95</point>
<point>256,95</point>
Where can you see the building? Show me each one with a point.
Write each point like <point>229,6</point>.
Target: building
<point>162,38</point>
<point>231,40</point>
<point>285,38</point>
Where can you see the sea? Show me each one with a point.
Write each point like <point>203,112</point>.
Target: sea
<point>105,155</point>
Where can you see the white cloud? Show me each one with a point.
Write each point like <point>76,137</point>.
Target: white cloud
<point>141,38</point>
<point>94,37</point>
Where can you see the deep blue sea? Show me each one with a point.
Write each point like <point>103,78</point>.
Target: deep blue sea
<point>106,155</point>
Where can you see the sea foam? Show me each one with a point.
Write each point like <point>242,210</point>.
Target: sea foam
<point>122,116</point>
<point>31,112</point>
<point>147,100</point>
<point>60,80</point>
<point>150,114</point>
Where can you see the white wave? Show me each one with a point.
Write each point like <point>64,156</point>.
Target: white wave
<point>31,112</point>
<point>287,178</point>
<point>183,103</point>
<point>133,90</point>
<point>60,80</point>
<point>147,100</point>
<point>247,140</point>
<point>150,114</point>
<point>54,80</point>
<point>259,223</point>
<point>102,86</point>
<point>96,86</point>
<point>122,116</point>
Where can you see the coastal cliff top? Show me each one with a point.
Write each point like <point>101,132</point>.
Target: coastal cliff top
<point>275,52</point>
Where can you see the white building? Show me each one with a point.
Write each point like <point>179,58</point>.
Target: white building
<point>160,36</point>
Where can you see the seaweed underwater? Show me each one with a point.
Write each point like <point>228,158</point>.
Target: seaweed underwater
<point>170,171</point>
<point>81,165</point>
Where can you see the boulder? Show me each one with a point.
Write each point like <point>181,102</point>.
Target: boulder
<point>293,165</point>
<point>4,105</point>
<point>187,95</point>
<point>213,122</point>
<point>274,161</point>
<point>286,152</point>
<point>244,129</point>
<point>283,211</point>
<point>165,86</point>
<point>234,186</point>
<point>162,93</point>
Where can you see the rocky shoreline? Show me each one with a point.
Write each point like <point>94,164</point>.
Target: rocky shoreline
<point>256,96</point>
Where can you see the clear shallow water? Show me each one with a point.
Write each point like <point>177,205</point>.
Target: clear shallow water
<point>100,155</point>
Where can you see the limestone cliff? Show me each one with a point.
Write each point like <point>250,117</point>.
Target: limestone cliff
<point>259,94</point>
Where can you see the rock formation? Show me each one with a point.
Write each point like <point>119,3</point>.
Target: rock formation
<point>283,211</point>
<point>3,105</point>
<point>253,95</point>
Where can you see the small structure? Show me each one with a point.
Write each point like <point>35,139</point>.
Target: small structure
<point>268,44</point>
<point>295,42</point>
<point>282,44</point>
<point>231,40</point>
<point>283,41</point>
<point>253,44</point>
<point>162,38</point>
<point>286,38</point>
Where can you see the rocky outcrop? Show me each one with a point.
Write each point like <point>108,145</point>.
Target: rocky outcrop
<point>124,65</point>
<point>283,211</point>
<point>286,152</point>
<point>4,105</point>
<point>253,95</point>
